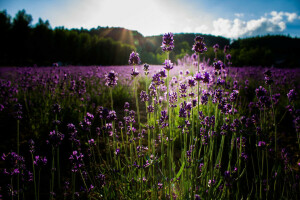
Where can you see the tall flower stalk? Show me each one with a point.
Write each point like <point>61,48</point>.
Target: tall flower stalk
<point>167,46</point>
<point>134,59</point>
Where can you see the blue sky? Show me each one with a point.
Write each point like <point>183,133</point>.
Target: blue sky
<point>229,18</point>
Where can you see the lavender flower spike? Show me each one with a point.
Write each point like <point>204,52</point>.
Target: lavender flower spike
<point>111,78</point>
<point>134,59</point>
<point>168,42</point>
<point>168,65</point>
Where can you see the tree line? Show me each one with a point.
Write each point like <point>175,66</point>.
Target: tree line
<point>25,44</point>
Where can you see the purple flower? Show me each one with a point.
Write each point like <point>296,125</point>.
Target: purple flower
<point>198,77</point>
<point>168,65</point>
<point>146,69</point>
<point>76,160</point>
<point>126,105</point>
<point>18,111</point>
<point>292,95</point>
<point>182,89</point>
<point>228,57</point>
<point>218,65</point>
<point>182,113</point>
<point>234,95</point>
<point>226,48</point>
<point>55,138</point>
<point>112,115</point>
<point>268,77</point>
<point>117,152</point>
<point>168,42</point>
<point>40,161</point>
<point>206,77</point>
<point>31,146</point>
<point>199,46</point>
<point>150,109</point>
<point>159,186</point>
<point>111,78</point>
<point>163,119</point>
<point>216,47</point>
<point>134,59</point>
<point>101,179</point>
<point>261,143</point>
<point>92,142</point>
<point>87,121</point>
<point>144,96</point>
<point>191,81</point>
<point>173,99</point>
<point>260,92</point>
<point>134,73</point>
<point>56,108</point>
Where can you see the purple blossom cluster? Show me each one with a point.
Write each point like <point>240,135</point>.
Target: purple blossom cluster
<point>168,42</point>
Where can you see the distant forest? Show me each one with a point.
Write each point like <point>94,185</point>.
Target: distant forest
<point>25,44</point>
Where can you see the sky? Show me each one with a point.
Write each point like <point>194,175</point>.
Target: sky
<point>229,18</point>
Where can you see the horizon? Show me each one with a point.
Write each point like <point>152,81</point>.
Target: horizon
<point>232,19</point>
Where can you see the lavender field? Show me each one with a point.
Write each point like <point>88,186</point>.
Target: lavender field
<point>185,131</point>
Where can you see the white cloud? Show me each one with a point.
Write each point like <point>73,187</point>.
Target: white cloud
<point>239,15</point>
<point>274,22</point>
<point>291,16</point>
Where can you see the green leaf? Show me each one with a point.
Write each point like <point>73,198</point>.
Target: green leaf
<point>180,171</point>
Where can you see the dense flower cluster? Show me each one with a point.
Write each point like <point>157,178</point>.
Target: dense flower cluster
<point>76,161</point>
<point>199,46</point>
<point>168,65</point>
<point>111,78</point>
<point>168,42</point>
<point>134,59</point>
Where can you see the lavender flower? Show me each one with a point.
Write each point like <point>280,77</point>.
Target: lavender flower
<point>206,77</point>
<point>101,180</point>
<point>228,57</point>
<point>198,77</point>
<point>150,109</point>
<point>226,48</point>
<point>134,59</point>
<point>216,47</point>
<point>144,96</point>
<point>173,99</point>
<point>112,115</point>
<point>168,42</point>
<point>87,121</point>
<point>260,92</point>
<point>292,95</point>
<point>56,108</point>
<point>163,119</point>
<point>191,82</point>
<point>111,78</point>
<point>268,77</point>
<point>40,161</point>
<point>18,111</point>
<point>55,138</point>
<point>134,73</point>
<point>199,46</point>
<point>117,152</point>
<point>218,65</point>
<point>76,160</point>
<point>126,105</point>
<point>146,69</point>
<point>31,146</point>
<point>168,65</point>
<point>234,95</point>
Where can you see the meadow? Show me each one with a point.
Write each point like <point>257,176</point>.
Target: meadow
<point>186,131</point>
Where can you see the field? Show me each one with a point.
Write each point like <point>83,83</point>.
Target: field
<point>186,131</point>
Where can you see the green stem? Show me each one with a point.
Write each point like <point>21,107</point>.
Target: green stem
<point>34,179</point>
